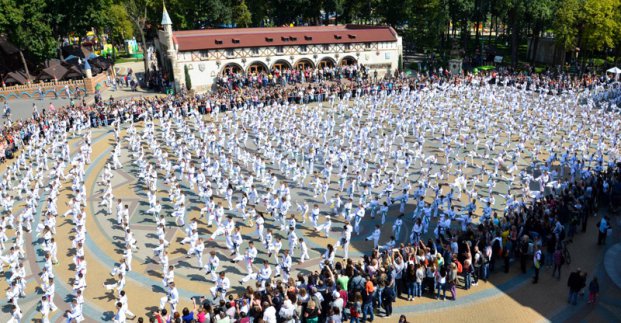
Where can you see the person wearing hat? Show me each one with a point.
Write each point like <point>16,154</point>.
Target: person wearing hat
<point>337,301</point>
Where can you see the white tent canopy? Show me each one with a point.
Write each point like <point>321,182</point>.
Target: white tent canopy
<point>614,70</point>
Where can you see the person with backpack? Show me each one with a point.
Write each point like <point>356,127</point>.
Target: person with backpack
<point>356,308</point>
<point>477,264</point>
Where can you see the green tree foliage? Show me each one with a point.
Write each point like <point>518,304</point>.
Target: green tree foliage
<point>27,25</point>
<point>565,25</point>
<point>427,22</point>
<point>601,23</point>
<point>78,16</point>
<point>243,16</point>
<point>188,79</point>
<point>121,25</point>
<point>592,25</point>
<point>394,12</point>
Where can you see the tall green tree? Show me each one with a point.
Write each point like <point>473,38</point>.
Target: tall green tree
<point>137,12</point>
<point>243,16</point>
<point>538,13</point>
<point>336,7</point>
<point>260,10</point>
<point>393,12</point>
<point>78,16</point>
<point>426,23</point>
<point>601,23</point>
<point>121,25</point>
<point>28,27</point>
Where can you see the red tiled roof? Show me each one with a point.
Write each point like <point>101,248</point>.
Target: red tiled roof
<point>189,40</point>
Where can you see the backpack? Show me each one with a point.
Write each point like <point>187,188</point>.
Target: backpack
<point>353,312</point>
<point>460,267</point>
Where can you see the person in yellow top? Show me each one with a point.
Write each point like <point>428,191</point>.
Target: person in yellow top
<point>505,236</point>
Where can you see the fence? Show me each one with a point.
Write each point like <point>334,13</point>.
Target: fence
<point>54,89</point>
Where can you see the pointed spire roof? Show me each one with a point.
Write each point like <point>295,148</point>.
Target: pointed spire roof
<point>165,17</point>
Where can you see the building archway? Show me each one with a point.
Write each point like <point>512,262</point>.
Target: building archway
<point>281,65</point>
<point>257,67</point>
<point>303,64</point>
<point>328,62</point>
<point>348,60</point>
<point>231,68</point>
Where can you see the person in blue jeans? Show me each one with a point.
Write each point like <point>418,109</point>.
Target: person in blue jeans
<point>409,278</point>
<point>367,306</point>
<point>467,276</point>
<point>378,294</point>
<point>441,283</point>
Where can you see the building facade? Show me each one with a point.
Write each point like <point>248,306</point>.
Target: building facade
<point>208,54</point>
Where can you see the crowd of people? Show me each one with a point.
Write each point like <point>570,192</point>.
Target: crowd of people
<point>472,171</point>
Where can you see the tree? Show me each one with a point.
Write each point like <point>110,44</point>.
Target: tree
<point>259,10</point>
<point>244,17</point>
<point>567,15</point>
<point>334,6</point>
<point>137,13</point>
<point>601,23</point>
<point>188,78</point>
<point>538,13</point>
<point>393,12</point>
<point>426,23</point>
<point>77,16</point>
<point>122,26</point>
<point>27,27</point>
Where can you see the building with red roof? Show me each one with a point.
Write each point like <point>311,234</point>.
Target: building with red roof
<point>210,53</point>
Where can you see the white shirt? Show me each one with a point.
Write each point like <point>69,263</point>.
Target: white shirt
<point>269,315</point>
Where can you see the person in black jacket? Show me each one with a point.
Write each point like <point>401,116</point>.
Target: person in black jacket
<point>574,282</point>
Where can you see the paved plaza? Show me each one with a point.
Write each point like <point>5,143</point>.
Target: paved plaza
<point>505,296</point>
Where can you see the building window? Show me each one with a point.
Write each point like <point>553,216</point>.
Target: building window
<point>367,45</point>
<point>203,54</point>
<point>254,51</point>
<point>303,49</point>
<point>326,48</point>
<point>280,49</point>
<point>230,52</point>
<point>347,46</point>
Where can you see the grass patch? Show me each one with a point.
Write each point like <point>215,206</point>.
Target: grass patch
<point>127,59</point>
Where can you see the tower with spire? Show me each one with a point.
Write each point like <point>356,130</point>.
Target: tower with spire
<point>167,38</point>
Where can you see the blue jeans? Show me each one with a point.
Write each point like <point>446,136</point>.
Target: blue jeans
<point>573,298</point>
<point>418,289</point>
<point>411,289</point>
<point>378,296</point>
<point>367,308</point>
<point>441,287</point>
<point>467,280</point>
<point>485,271</point>
<point>354,320</point>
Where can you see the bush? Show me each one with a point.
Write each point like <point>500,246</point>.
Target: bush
<point>188,79</point>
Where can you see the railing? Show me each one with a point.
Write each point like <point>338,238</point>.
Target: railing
<point>31,90</point>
